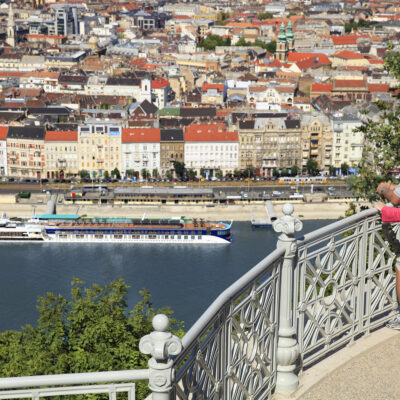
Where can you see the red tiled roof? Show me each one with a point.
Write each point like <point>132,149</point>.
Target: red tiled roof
<point>339,40</point>
<point>3,132</point>
<point>212,137</point>
<point>205,128</point>
<point>378,88</point>
<point>347,83</point>
<point>39,36</point>
<point>61,136</point>
<point>218,86</point>
<point>159,83</point>
<point>322,58</point>
<point>348,55</point>
<point>12,74</point>
<point>141,135</point>
<point>321,87</point>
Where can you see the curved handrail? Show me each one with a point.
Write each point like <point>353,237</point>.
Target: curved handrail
<point>74,379</point>
<point>309,237</point>
<point>197,328</point>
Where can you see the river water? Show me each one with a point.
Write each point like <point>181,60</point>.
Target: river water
<point>185,277</point>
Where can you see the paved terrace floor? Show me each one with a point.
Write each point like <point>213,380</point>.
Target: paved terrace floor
<point>367,370</point>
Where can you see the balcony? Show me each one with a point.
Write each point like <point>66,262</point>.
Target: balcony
<point>343,288</point>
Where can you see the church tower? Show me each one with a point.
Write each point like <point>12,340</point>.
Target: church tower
<point>10,28</point>
<point>282,45</point>
<point>290,36</point>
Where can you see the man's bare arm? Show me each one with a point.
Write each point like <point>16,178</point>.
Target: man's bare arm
<point>389,195</point>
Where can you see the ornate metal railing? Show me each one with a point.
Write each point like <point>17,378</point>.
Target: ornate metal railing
<point>344,284</point>
<point>230,352</point>
<point>309,297</point>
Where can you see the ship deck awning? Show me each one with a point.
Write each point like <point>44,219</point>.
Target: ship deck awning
<point>57,216</point>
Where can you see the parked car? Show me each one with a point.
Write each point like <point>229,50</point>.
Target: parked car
<point>276,193</point>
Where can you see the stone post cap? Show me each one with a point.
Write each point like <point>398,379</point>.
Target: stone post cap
<point>287,224</point>
<point>160,344</point>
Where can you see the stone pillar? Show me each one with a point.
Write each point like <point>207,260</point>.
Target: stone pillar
<point>161,345</point>
<point>288,351</point>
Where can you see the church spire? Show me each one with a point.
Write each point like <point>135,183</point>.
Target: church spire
<point>282,34</point>
<point>10,27</point>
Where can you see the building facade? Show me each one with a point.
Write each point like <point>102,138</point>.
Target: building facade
<point>99,147</point>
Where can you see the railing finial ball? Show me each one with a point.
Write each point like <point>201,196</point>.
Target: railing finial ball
<point>288,209</point>
<point>160,323</point>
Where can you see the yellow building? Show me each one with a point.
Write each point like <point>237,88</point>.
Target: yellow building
<point>99,147</point>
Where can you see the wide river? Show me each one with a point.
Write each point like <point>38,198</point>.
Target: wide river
<point>185,277</point>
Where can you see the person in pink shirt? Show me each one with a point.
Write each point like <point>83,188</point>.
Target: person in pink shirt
<point>390,214</point>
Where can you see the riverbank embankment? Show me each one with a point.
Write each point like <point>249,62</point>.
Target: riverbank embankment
<point>236,212</point>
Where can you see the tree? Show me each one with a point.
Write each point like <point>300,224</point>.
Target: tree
<point>212,41</point>
<point>145,173</point>
<point>294,170</point>
<point>130,173</point>
<point>275,172</point>
<point>115,173</point>
<point>83,173</point>
<point>155,173</point>
<point>265,15</point>
<point>249,172</point>
<point>344,168</point>
<point>332,170</point>
<point>381,152</point>
<point>219,174</point>
<point>106,175</point>
<point>179,168</point>
<point>312,166</point>
<point>90,331</point>
<point>271,46</point>
<point>203,172</point>
<point>192,173</point>
<point>168,174</point>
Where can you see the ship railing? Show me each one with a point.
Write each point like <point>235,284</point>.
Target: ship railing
<point>308,298</point>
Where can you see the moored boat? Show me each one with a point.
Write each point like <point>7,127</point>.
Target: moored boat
<point>74,229</point>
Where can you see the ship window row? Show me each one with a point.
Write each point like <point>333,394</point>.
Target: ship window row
<point>141,232</point>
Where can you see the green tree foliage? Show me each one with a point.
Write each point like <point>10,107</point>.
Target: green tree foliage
<point>270,46</point>
<point>90,332</point>
<point>294,170</point>
<point>130,173</point>
<point>192,173</point>
<point>362,23</point>
<point>203,172</point>
<point>145,173</point>
<point>168,174</point>
<point>381,153</point>
<point>179,168</point>
<point>265,15</point>
<point>83,173</point>
<point>155,173</point>
<point>106,175</point>
<point>219,174</point>
<point>212,41</point>
<point>332,170</point>
<point>344,167</point>
<point>115,173</point>
<point>312,166</point>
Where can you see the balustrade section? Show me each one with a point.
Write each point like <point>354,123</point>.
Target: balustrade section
<point>230,353</point>
<point>344,284</point>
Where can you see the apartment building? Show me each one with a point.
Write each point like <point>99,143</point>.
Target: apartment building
<point>61,154</point>
<point>3,150</point>
<point>25,151</point>
<point>172,148</point>
<point>212,151</point>
<point>347,143</point>
<point>99,147</point>
<point>141,149</point>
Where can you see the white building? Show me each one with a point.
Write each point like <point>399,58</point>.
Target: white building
<point>139,89</point>
<point>347,144</point>
<point>212,151</point>
<point>140,149</point>
<point>3,150</point>
<point>159,92</point>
